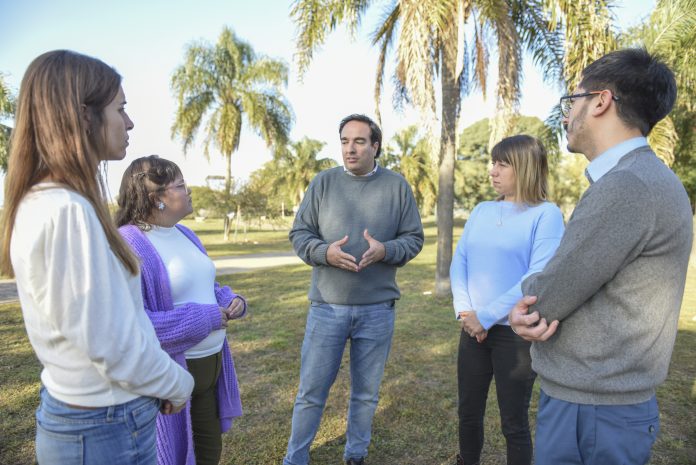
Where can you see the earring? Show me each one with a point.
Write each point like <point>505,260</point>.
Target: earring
<point>160,206</point>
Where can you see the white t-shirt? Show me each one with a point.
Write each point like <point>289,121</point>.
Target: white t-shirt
<point>83,310</point>
<point>191,279</point>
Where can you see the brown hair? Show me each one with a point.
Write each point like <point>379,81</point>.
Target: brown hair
<point>644,86</point>
<point>527,156</point>
<point>143,177</point>
<point>52,140</point>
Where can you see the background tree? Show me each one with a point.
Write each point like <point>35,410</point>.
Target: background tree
<point>208,202</point>
<point>298,164</point>
<point>670,32</point>
<point>269,180</point>
<point>7,109</point>
<point>410,156</point>
<point>432,43</point>
<point>229,84</point>
<point>472,184</point>
<point>567,181</point>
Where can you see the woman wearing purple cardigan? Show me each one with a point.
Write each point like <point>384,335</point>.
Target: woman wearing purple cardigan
<point>188,309</point>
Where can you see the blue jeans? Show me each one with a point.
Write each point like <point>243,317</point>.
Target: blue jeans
<point>369,329</point>
<point>121,434</point>
<point>581,434</point>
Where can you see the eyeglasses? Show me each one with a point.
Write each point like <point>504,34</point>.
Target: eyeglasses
<point>182,186</point>
<point>567,100</point>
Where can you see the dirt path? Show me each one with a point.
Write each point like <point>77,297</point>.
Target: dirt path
<point>224,265</point>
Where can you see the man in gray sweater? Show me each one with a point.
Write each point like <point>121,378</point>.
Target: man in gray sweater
<point>355,226</point>
<point>603,314</point>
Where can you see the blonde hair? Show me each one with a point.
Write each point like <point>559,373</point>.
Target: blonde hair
<point>53,140</point>
<point>527,156</point>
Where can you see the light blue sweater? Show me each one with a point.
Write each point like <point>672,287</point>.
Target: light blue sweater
<point>502,243</point>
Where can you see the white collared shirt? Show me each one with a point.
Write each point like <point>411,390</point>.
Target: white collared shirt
<point>346,170</point>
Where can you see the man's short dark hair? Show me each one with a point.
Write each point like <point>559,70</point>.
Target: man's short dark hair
<point>645,86</point>
<point>375,131</point>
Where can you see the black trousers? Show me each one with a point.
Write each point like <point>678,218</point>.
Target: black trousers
<point>205,418</point>
<point>504,355</point>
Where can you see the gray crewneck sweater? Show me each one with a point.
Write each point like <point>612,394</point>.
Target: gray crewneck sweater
<point>338,204</point>
<point>615,283</point>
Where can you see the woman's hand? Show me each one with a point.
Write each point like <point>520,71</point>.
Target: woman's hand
<point>470,323</point>
<point>223,317</point>
<point>168,408</point>
<point>235,309</point>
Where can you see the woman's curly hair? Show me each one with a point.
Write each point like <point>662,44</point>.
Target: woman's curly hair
<point>142,180</point>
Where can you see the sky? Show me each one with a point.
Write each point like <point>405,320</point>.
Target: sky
<point>145,41</point>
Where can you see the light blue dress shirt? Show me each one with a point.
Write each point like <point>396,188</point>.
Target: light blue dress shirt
<point>609,159</point>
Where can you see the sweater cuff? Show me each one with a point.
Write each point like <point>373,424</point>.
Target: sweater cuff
<point>318,255</point>
<point>215,318</point>
<point>486,319</point>
<point>389,251</point>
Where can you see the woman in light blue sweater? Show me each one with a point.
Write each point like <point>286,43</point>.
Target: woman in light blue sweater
<point>503,242</point>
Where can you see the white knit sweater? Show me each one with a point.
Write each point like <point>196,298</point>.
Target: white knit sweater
<point>83,310</point>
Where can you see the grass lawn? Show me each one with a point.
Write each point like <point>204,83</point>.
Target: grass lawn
<point>416,422</point>
<point>255,240</point>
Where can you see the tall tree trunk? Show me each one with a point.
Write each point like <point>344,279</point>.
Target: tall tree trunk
<point>448,148</point>
<point>228,189</point>
<point>236,224</point>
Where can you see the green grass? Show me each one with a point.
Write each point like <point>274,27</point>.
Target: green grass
<point>416,421</point>
<point>255,240</point>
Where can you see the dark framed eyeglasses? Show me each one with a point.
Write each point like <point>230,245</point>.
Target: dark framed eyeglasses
<point>567,100</point>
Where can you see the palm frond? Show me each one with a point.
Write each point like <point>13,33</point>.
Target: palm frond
<point>541,36</point>
<point>384,37</point>
<point>663,139</point>
<point>315,18</point>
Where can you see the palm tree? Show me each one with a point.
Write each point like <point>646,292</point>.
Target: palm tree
<point>229,84</point>
<point>7,107</point>
<point>411,158</point>
<point>670,33</point>
<point>298,165</point>
<point>432,43</point>
<point>588,35</point>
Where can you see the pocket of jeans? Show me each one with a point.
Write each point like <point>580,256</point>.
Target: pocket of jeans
<point>649,425</point>
<point>145,414</point>
<point>58,447</point>
<point>642,435</point>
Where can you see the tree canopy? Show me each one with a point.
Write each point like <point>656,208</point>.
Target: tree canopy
<point>228,85</point>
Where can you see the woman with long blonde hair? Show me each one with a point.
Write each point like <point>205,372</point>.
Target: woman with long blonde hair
<point>104,377</point>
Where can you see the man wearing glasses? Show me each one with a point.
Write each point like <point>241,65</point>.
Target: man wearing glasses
<point>603,314</point>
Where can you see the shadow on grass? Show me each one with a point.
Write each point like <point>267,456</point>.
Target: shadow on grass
<point>677,401</point>
<point>416,418</point>
<point>19,389</point>
<point>416,421</point>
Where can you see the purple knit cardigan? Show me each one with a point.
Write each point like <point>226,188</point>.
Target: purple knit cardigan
<point>179,329</point>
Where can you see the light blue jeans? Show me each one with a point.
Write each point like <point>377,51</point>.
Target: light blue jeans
<point>369,329</point>
<point>122,434</point>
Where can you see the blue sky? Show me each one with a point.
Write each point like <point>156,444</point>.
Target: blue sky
<point>145,41</point>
